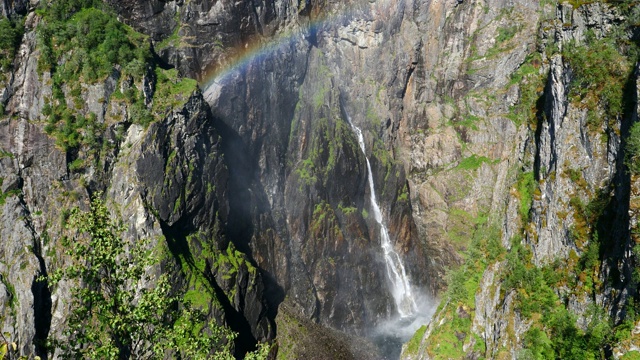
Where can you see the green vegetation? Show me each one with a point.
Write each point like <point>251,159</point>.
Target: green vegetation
<point>541,294</point>
<point>526,186</point>
<point>404,194</point>
<point>92,42</point>
<point>110,317</point>
<point>447,340</point>
<point>306,171</point>
<point>8,193</point>
<point>554,332</point>
<point>600,73</point>
<point>81,44</point>
<point>329,137</point>
<point>506,33</point>
<point>462,226</point>
<point>174,39</point>
<point>472,162</point>
<point>531,83</point>
<point>194,259</point>
<point>10,34</point>
<point>347,210</point>
<point>632,149</point>
<point>469,121</point>
<point>232,260</point>
<point>533,293</point>
<point>11,290</point>
<point>172,90</point>
<point>631,355</point>
<point>414,344</point>
<point>324,222</point>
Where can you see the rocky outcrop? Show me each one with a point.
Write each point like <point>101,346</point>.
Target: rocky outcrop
<point>300,338</point>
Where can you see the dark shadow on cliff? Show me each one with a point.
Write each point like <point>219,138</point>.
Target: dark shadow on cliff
<point>41,309</point>
<point>247,206</point>
<point>541,116</point>
<point>179,248</point>
<point>240,225</point>
<point>613,223</point>
<point>620,244</point>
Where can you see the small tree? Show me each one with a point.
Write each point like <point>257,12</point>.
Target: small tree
<point>114,316</point>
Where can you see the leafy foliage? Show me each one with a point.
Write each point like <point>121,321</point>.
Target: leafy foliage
<point>82,42</point>
<point>171,90</point>
<point>9,349</point>
<point>115,313</point>
<point>554,332</point>
<point>10,34</point>
<point>531,83</point>
<point>92,42</point>
<point>600,72</point>
<point>414,343</point>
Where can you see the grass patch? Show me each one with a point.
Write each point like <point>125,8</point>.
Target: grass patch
<point>347,210</point>
<point>414,344</point>
<point>447,339</point>
<point>506,33</point>
<point>472,162</point>
<point>171,91</point>
<point>525,187</point>
<point>531,84</point>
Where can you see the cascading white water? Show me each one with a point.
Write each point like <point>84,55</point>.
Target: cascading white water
<point>400,286</point>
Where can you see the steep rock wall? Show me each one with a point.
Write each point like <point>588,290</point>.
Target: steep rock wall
<point>573,228</point>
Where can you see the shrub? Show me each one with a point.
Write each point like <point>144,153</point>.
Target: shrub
<point>600,72</point>
<point>109,318</point>
<point>10,35</point>
<point>92,42</point>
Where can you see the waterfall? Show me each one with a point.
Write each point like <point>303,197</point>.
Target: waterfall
<point>400,286</point>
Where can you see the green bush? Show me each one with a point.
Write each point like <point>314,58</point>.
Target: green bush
<point>447,339</point>
<point>414,344</point>
<point>82,41</point>
<point>92,42</point>
<point>531,83</point>
<point>600,72</point>
<point>10,35</point>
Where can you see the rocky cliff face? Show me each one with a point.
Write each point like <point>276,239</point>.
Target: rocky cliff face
<point>566,219</point>
<point>483,151</point>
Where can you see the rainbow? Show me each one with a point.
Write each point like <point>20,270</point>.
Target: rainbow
<point>259,48</point>
<point>255,51</point>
